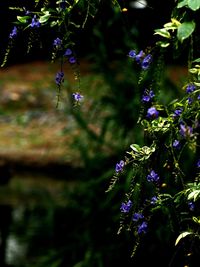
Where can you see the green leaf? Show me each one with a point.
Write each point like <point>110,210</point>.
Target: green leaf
<point>195,219</point>
<point>184,234</point>
<point>163,44</point>
<point>160,125</point>
<point>54,23</point>
<point>23,19</point>
<point>135,147</point>
<point>163,33</point>
<point>193,70</point>
<point>44,18</point>
<point>185,30</point>
<point>182,3</point>
<point>194,195</point>
<point>196,60</point>
<point>194,4</point>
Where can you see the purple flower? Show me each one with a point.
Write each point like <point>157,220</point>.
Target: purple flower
<point>119,166</point>
<point>142,228</point>
<point>125,207</point>
<point>139,56</point>
<point>132,54</point>
<point>198,97</point>
<point>153,200</point>
<point>59,77</point>
<point>191,205</point>
<point>35,22</point>
<point>190,88</point>
<point>153,177</point>
<point>185,130</point>
<point>147,96</point>
<point>27,12</point>
<point>146,62</point>
<point>137,216</point>
<point>177,112</point>
<point>198,163</point>
<point>190,100</point>
<point>77,97</point>
<point>13,34</point>
<point>176,144</point>
<point>152,113</point>
<point>68,52</point>
<point>57,42</point>
<point>72,60</point>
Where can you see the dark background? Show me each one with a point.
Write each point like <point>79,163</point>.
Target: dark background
<point>138,24</point>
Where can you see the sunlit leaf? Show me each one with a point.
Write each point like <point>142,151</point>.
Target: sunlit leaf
<point>182,3</point>
<point>197,60</point>
<point>182,236</point>
<point>194,4</point>
<point>45,17</point>
<point>172,25</point>
<point>135,147</point>
<point>23,19</point>
<point>193,70</point>
<point>163,33</point>
<point>194,195</point>
<point>162,44</point>
<point>196,220</point>
<point>185,30</point>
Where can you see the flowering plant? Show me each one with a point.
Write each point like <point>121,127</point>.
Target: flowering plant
<point>166,167</point>
<point>61,18</point>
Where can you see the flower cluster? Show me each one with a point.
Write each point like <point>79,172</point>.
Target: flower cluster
<point>148,96</point>
<point>77,97</point>
<point>141,224</point>
<point>185,130</point>
<point>57,42</point>
<point>137,218</point>
<point>125,207</point>
<point>177,113</point>
<point>152,113</point>
<point>35,23</point>
<point>13,33</point>
<point>153,177</point>
<point>190,88</point>
<point>141,58</point>
<point>119,166</point>
<point>153,200</point>
<point>69,54</point>
<point>59,77</point>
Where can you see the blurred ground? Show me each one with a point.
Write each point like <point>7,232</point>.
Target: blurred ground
<point>36,136</point>
<point>31,126</point>
<point>32,130</point>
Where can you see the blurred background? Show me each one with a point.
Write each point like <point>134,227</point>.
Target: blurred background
<point>56,162</point>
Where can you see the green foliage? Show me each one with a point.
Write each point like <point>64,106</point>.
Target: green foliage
<point>185,30</point>
<point>60,17</point>
<point>158,179</point>
<point>191,4</point>
<point>177,185</point>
